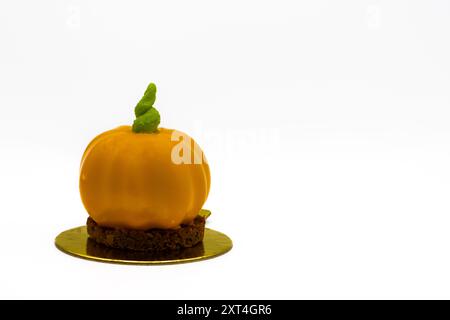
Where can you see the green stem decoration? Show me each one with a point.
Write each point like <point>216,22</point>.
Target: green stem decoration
<point>147,117</point>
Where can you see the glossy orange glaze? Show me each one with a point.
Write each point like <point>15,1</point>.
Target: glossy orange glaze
<point>129,180</point>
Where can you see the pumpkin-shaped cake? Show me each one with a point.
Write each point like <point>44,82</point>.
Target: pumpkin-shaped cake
<point>144,186</point>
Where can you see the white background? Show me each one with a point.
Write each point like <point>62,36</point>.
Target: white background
<point>326,125</point>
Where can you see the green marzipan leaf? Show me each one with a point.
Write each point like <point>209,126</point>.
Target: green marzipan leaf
<point>146,101</point>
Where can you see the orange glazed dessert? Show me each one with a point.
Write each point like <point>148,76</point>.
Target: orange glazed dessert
<point>143,186</point>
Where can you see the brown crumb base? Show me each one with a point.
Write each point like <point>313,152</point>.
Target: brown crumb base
<point>96,249</point>
<point>148,240</point>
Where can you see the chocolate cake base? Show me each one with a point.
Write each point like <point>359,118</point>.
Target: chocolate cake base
<point>96,249</point>
<point>148,240</point>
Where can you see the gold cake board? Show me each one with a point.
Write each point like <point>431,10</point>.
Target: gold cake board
<point>76,242</point>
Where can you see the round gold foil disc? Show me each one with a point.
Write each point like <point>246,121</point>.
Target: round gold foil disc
<point>76,242</point>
